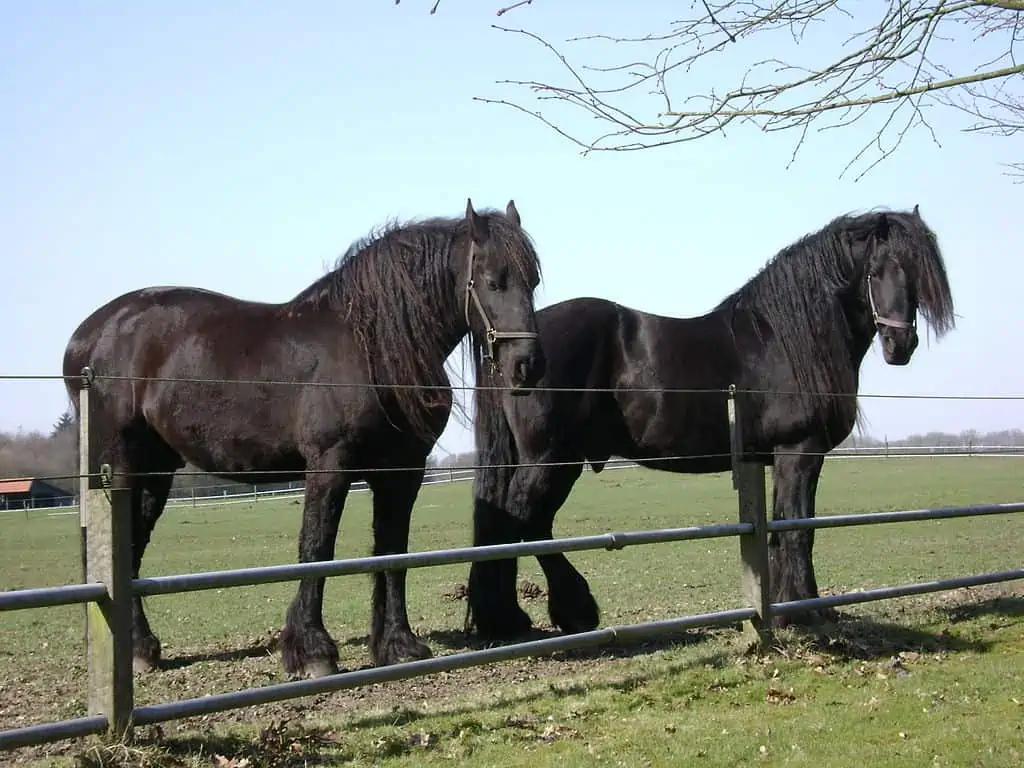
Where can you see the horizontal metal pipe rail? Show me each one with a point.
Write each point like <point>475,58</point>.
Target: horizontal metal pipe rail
<point>875,518</point>
<point>41,734</point>
<point>886,593</point>
<point>158,713</point>
<point>80,593</point>
<point>44,597</point>
<point>191,582</point>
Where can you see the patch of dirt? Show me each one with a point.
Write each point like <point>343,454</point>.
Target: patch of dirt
<point>458,593</point>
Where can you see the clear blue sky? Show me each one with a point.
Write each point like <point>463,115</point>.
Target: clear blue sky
<point>241,147</point>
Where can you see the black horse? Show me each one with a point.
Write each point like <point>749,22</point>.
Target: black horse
<point>397,305</point>
<point>791,340</point>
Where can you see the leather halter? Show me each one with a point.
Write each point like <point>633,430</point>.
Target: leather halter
<point>492,335</point>
<point>879,320</point>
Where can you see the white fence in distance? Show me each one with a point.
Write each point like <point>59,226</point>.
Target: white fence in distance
<point>217,495</point>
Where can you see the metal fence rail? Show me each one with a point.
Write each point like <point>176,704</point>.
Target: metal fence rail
<point>50,732</point>
<point>156,713</point>
<point>190,582</point>
<point>887,593</point>
<point>905,516</point>
<point>43,597</point>
<point>109,588</point>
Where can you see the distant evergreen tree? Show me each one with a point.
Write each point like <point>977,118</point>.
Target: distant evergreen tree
<point>65,423</point>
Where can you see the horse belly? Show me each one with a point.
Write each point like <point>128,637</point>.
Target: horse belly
<point>679,432</point>
<point>228,430</point>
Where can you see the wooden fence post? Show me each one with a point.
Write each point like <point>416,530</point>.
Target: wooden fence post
<point>83,481</point>
<point>105,518</point>
<point>748,480</point>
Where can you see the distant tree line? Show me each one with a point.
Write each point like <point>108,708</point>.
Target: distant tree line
<point>969,438</point>
<point>54,455</point>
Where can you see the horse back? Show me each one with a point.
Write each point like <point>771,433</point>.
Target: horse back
<point>177,355</point>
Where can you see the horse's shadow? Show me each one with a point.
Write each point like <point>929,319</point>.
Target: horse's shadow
<point>849,637</point>
<point>263,648</point>
<point>457,641</point>
<point>862,638</point>
<point>1008,606</point>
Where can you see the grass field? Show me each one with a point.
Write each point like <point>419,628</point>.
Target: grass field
<point>927,681</point>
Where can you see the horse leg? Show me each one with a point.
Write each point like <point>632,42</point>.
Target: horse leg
<point>391,638</point>
<point>149,497</point>
<point>537,492</point>
<point>493,606</point>
<point>791,568</point>
<point>571,606</point>
<point>306,647</point>
<point>141,453</point>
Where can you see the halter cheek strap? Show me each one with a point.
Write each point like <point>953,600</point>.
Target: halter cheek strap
<point>880,320</point>
<point>491,335</point>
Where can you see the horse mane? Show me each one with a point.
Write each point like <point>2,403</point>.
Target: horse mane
<point>397,291</point>
<point>798,295</point>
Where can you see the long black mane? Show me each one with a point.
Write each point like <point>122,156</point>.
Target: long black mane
<point>798,295</point>
<point>392,288</point>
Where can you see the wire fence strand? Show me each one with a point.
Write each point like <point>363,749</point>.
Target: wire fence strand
<point>506,388</point>
<point>897,452</point>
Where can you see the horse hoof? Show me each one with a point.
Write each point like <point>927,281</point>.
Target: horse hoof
<point>418,651</point>
<point>576,626</point>
<point>580,614</point>
<point>408,650</point>
<point>501,625</point>
<point>320,668</point>
<point>145,653</point>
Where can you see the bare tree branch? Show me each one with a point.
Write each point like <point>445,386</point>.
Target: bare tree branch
<point>902,59</point>
<point>512,7</point>
<point>500,11</point>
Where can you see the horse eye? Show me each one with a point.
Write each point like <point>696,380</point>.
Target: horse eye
<point>492,284</point>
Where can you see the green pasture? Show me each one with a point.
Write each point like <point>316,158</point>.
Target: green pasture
<point>843,698</point>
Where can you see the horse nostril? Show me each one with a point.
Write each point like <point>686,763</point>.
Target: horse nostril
<point>522,369</point>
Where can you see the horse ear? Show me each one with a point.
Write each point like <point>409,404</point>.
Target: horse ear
<point>477,224</point>
<point>917,211</point>
<point>513,213</point>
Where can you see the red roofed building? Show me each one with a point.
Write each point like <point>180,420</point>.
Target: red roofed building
<point>31,494</point>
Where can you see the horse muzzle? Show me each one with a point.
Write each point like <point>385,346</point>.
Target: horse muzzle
<point>526,370</point>
<point>898,345</point>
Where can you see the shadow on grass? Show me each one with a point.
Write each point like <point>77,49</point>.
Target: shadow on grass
<point>1005,605</point>
<point>865,638</point>
<point>560,689</point>
<point>849,636</point>
<point>459,641</point>
<point>257,650</point>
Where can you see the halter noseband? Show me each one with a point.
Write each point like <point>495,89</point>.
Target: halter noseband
<point>879,320</point>
<point>492,335</point>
